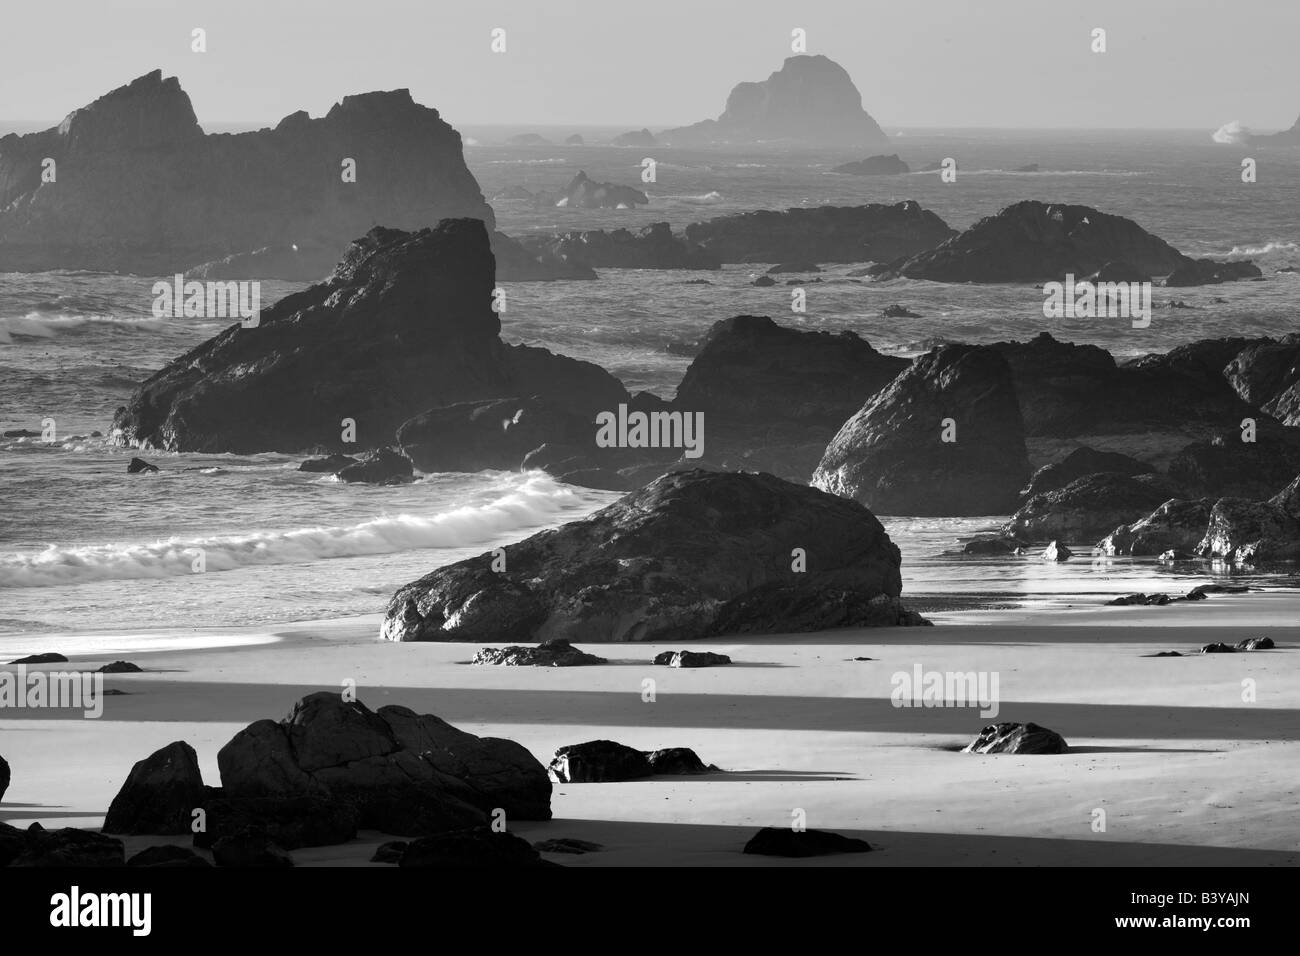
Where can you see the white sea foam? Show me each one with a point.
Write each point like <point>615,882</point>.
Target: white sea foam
<point>1232,133</point>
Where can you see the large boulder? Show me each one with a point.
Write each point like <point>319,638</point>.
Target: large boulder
<point>1247,532</point>
<point>1011,738</point>
<point>1089,507</point>
<point>160,794</point>
<point>137,173</point>
<point>379,765</point>
<point>1079,462</point>
<point>599,761</point>
<point>893,457</point>
<point>810,102</point>
<point>404,324</point>
<point>659,564</point>
<point>1178,525</point>
<point>874,232</point>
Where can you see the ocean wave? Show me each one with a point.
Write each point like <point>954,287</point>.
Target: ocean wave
<point>536,500</point>
<point>706,199</point>
<point>1232,133</point>
<point>47,325</point>
<point>1268,249</point>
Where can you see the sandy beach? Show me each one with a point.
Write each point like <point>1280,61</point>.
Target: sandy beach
<point>1185,770</point>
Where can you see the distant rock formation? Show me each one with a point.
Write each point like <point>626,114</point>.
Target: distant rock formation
<point>140,188</point>
<point>1031,241</point>
<point>403,325</point>
<point>574,140</point>
<point>867,233</point>
<point>706,540</point>
<point>642,137</point>
<point>874,166</point>
<point>653,247</point>
<point>585,193</point>
<point>1287,137</point>
<point>528,139</point>
<point>944,438</point>
<point>811,101</point>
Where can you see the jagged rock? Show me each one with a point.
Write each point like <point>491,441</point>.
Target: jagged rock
<point>810,101</point>
<point>677,761</point>
<point>1211,272</point>
<point>598,761</point>
<point>289,822</point>
<point>653,247</point>
<point>64,848</point>
<point>383,466</point>
<point>1031,240</point>
<point>390,852</point>
<point>138,466</point>
<point>1082,461</point>
<point>872,232</point>
<point>160,794</point>
<point>585,193</point>
<point>139,169</point>
<point>892,455</point>
<point>1256,644</point>
<point>556,652</point>
<point>1010,738</point>
<point>1089,507</point>
<point>1267,374</point>
<point>404,324</point>
<point>121,667</point>
<point>168,856</point>
<point>701,538</point>
<point>874,166</point>
<point>783,841</point>
<point>477,848</point>
<point>1249,531</point>
<point>330,464</point>
<point>1175,528</point>
<point>567,845</point>
<point>1056,551</point>
<point>642,137</point>
<point>691,659</point>
<point>1219,648</point>
<point>41,659</point>
<point>250,849</point>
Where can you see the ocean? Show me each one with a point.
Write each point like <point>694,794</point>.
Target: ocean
<point>83,545</point>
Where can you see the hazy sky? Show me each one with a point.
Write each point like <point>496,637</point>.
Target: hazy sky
<point>1008,63</point>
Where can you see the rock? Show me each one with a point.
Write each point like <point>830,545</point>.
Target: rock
<point>642,137</point>
<point>899,312</point>
<point>1141,599</point>
<point>141,159</point>
<point>478,848</point>
<point>574,140</point>
<point>21,433</point>
<point>1118,272</point>
<point>249,850</point>
<point>41,659</point>
<point>1267,374</point>
<point>331,464</point>
<point>775,609</point>
<point>1222,465</point>
<point>137,466</point>
<point>383,466</point>
<point>782,841</point>
<point>677,761</point>
<point>1211,272</point>
<point>810,101</point>
<point>1080,462</point>
<point>990,545</point>
<point>585,193</point>
<point>1249,531</point>
<point>1256,644</point>
<point>528,139</point>
<point>691,659</point>
<point>1031,241</point>
<point>525,261</point>
<point>764,281</point>
<point>404,324</point>
<point>1167,654</point>
<point>891,455</point>
<point>1174,555</point>
<point>159,795</point>
<point>871,232</point>
<point>64,848</point>
<point>4,777</point>
<point>703,539</point>
<point>1173,529</point>
<point>121,667</point>
<point>556,652</point>
<point>598,761</point>
<point>1057,552</point>
<point>874,166</point>
<point>1219,648</point>
<point>567,845</point>
<point>390,852</point>
<point>1088,507</point>
<point>653,247</point>
<point>1201,590</point>
<point>289,822</point>
<point>1009,738</point>
<point>167,856</point>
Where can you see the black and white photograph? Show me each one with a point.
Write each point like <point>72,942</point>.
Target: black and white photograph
<point>560,435</point>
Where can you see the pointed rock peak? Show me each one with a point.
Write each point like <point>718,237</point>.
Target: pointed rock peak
<point>148,112</point>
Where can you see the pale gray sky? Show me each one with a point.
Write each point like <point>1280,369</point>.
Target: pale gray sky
<point>1000,63</point>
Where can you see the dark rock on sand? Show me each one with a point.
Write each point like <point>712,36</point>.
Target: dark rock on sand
<point>556,652</point>
<point>1080,462</point>
<point>585,193</point>
<point>330,464</point>
<point>691,659</point>
<point>810,102</point>
<point>474,848</point>
<point>1089,507</point>
<point>160,794</point>
<point>383,466</point>
<point>874,166</point>
<point>138,466</point>
<point>702,538</point>
<point>598,761</point>
<point>390,852</point>
<point>41,659</point>
<point>121,667</point>
<point>891,455</point>
<point>1010,738</point>
<point>783,841</point>
<point>1176,526</point>
<point>872,232</point>
<point>1127,600</point>
<point>1256,644</point>
<point>63,848</point>
<point>1219,648</point>
<point>168,856</point>
<point>1167,654</point>
<point>250,850</point>
<point>677,761</point>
